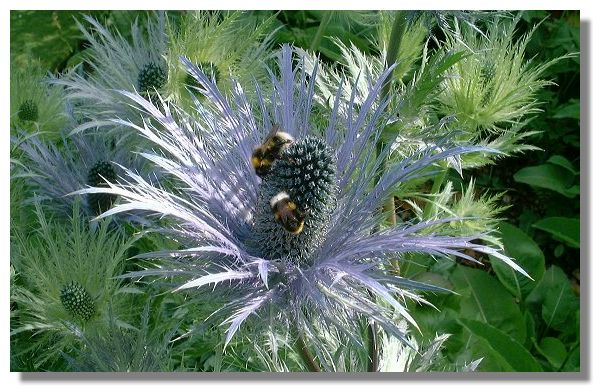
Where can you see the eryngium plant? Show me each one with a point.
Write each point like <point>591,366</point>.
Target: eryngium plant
<point>219,44</point>
<point>53,171</point>
<point>67,280</point>
<point>121,349</point>
<point>332,277</point>
<point>35,105</point>
<point>116,64</point>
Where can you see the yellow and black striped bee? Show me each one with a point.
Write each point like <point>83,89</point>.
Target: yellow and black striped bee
<point>286,213</point>
<point>265,154</point>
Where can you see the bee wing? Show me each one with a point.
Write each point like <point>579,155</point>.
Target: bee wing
<point>276,128</point>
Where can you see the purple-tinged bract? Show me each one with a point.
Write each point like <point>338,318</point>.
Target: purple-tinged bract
<point>331,275</point>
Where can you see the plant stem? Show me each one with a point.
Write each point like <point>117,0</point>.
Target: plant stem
<point>305,354</point>
<point>373,347</point>
<point>314,45</point>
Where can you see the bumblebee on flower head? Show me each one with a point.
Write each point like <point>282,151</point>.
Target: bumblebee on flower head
<point>286,213</point>
<point>264,155</point>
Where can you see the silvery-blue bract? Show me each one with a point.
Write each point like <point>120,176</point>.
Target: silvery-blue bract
<point>217,208</point>
<point>55,172</point>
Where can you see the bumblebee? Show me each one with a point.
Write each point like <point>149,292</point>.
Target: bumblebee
<point>264,155</point>
<point>286,213</point>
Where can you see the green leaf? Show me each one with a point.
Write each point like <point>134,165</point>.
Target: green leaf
<point>508,348</point>
<point>565,229</point>
<point>558,300</point>
<point>568,110</point>
<point>573,361</point>
<point>51,36</point>
<point>435,279</point>
<point>561,161</point>
<point>553,350</point>
<point>484,298</point>
<point>531,331</point>
<point>548,176</point>
<point>526,254</point>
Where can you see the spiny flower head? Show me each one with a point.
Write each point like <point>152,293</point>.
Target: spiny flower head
<point>116,64</point>
<point>66,272</point>
<point>481,82</point>
<point>35,105</point>
<point>151,78</point>
<point>102,173</point>
<point>55,172</point>
<point>28,111</point>
<point>221,210</point>
<point>77,301</point>
<point>496,85</point>
<point>306,174</point>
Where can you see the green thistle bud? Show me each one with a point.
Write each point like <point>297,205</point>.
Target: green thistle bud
<point>306,172</point>
<point>152,77</point>
<point>77,301</point>
<point>101,202</point>
<point>28,111</point>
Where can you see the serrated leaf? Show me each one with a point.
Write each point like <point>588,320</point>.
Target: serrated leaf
<point>564,229</point>
<point>548,176</point>
<point>553,350</point>
<point>485,299</point>
<point>558,308</point>
<point>508,348</point>
<point>526,253</point>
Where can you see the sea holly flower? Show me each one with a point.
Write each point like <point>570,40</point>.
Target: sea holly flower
<point>117,64</point>
<point>477,75</point>
<point>53,171</point>
<point>220,44</point>
<point>35,105</point>
<point>328,276</point>
<point>66,280</point>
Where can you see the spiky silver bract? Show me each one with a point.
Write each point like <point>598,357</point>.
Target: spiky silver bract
<point>116,64</point>
<point>54,172</point>
<point>342,280</point>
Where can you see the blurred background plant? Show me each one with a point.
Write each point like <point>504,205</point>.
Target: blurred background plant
<point>507,80</point>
